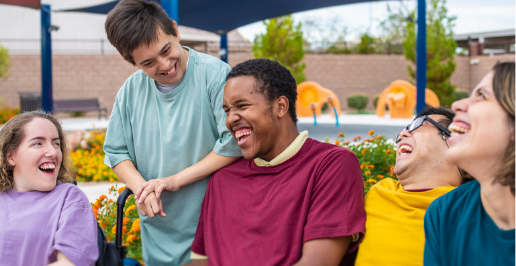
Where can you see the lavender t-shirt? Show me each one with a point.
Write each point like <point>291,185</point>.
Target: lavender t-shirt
<point>34,226</point>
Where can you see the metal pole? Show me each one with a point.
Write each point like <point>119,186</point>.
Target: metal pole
<point>172,9</point>
<point>223,52</point>
<point>421,55</point>
<point>46,60</point>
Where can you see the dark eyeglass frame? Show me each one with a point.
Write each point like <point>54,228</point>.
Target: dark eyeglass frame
<point>418,122</point>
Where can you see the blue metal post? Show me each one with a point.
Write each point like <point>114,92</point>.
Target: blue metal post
<point>223,52</point>
<point>46,60</point>
<point>336,117</point>
<point>421,55</point>
<point>172,9</point>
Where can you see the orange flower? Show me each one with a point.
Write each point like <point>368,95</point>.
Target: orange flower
<point>372,181</point>
<point>370,166</point>
<point>135,228</point>
<point>124,229</point>
<point>378,137</point>
<point>337,142</point>
<point>392,170</point>
<point>365,184</point>
<point>97,204</point>
<point>126,220</point>
<point>371,132</point>
<point>358,138</point>
<point>380,176</point>
<point>114,229</point>
<point>342,135</point>
<point>131,238</point>
<point>367,173</point>
<point>388,151</point>
<point>364,151</point>
<point>102,197</point>
<point>346,143</point>
<point>111,189</point>
<point>121,189</point>
<point>130,208</point>
<point>362,165</point>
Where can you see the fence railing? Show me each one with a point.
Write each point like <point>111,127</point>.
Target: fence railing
<point>102,46</point>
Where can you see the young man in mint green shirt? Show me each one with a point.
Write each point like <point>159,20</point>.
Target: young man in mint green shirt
<point>167,127</point>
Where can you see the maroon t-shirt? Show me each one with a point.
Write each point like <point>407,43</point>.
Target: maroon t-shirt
<point>254,215</point>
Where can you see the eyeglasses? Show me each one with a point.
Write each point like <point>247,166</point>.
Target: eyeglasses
<point>418,122</point>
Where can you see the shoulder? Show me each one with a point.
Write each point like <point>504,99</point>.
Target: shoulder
<point>209,63</point>
<point>326,151</point>
<point>71,194</point>
<point>457,200</point>
<point>134,82</point>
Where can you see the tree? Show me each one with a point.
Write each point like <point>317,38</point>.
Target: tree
<point>367,44</point>
<point>440,50</point>
<point>5,62</point>
<point>283,42</point>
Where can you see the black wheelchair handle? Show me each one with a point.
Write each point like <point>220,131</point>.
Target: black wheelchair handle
<point>120,203</point>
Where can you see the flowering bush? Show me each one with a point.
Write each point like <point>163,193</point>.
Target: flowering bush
<point>376,156</point>
<point>6,112</point>
<point>104,209</point>
<point>88,157</point>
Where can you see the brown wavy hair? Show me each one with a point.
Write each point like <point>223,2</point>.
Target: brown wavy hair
<point>12,135</point>
<point>503,87</point>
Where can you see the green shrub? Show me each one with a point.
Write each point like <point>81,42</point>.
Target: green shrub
<point>376,155</point>
<point>358,101</point>
<point>460,94</point>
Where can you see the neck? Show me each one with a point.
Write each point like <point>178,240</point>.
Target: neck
<point>498,201</point>
<point>431,180</point>
<point>286,135</point>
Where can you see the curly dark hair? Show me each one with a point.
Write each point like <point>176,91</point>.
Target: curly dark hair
<point>272,80</point>
<point>135,22</point>
<point>12,135</point>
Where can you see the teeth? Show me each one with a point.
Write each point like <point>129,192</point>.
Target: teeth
<point>238,135</point>
<point>47,166</point>
<point>404,149</point>
<point>170,72</point>
<point>457,129</point>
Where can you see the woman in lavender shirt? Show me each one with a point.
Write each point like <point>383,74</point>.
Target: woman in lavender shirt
<point>44,220</point>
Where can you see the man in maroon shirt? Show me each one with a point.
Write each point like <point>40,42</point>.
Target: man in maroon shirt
<point>291,200</point>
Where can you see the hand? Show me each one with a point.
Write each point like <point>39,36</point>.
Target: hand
<point>157,186</point>
<point>151,206</point>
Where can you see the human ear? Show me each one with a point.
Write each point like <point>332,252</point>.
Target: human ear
<point>178,37</point>
<point>282,106</point>
<point>10,159</point>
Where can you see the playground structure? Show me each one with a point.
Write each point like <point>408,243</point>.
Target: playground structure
<point>311,99</point>
<point>400,97</point>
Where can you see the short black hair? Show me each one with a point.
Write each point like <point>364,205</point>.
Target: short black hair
<point>135,22</point>
<point>448,114</point>
<point>272,80</point>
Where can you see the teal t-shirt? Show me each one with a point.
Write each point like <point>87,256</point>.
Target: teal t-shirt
<point>458,231</point>
<point>162,134</point>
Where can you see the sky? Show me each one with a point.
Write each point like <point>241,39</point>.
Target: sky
<point>472,16</point>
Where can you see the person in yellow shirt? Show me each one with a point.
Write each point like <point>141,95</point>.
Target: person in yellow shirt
<point>395,210</point>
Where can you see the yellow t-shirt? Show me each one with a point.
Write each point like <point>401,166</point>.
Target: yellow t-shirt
<point>394,233</point>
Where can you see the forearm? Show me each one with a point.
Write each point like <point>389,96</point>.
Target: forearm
<point>129,175</point>
<point>197,263</point>
<point>62,260</point>
<point>324,252</point>
<point>205,167</point>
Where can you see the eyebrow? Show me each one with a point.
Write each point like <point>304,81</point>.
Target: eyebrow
<point>42,138</point>
<point>160,52</point>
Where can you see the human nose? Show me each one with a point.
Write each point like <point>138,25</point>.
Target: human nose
<point>163,63</point>
<point>460,105</point>
<point>404,134</point>
<point>232,117</point>
<point>51,151</point>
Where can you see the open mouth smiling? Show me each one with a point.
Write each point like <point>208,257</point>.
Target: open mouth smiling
<point>171,71</point>
<point>243,134</point>
<point>404,150</point>
<point>457,129</point>
<point>47,168</point>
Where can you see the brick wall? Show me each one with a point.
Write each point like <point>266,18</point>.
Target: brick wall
<point>82,76</point>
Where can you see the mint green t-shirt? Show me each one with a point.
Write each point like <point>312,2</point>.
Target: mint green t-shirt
<point>162,134</point>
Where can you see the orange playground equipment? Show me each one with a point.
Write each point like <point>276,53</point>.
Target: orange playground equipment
<point>400,97</point>
<point>312,97</point>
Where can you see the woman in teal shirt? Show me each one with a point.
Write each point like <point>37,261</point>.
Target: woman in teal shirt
<point>474,224</point>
